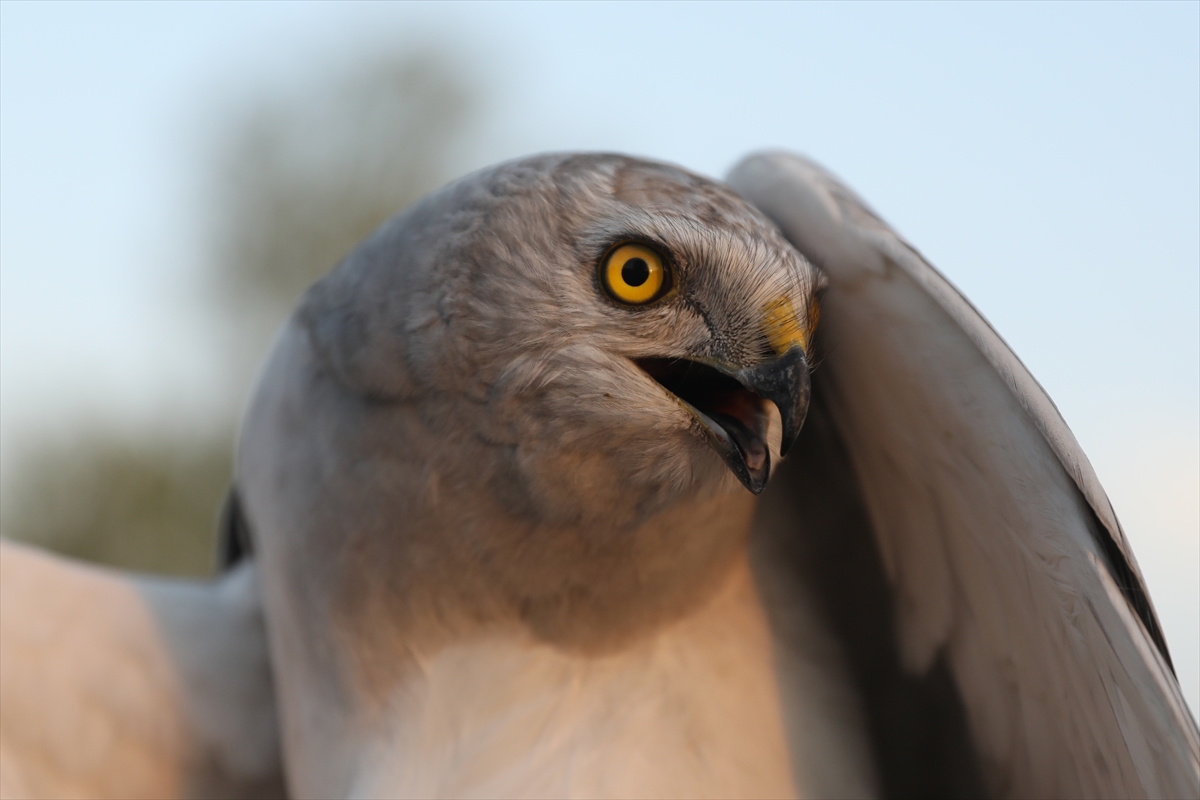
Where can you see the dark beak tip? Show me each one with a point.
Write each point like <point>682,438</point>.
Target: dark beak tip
<point>753,480</point>
<point>785,382</point>
<point>756,481</point>
<point>791,432</point>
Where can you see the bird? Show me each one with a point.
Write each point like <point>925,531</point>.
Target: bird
<point>587,476</point>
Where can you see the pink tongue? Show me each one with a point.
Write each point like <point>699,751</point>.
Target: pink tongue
<point>755,455</point>
<point>740,404</point>
<point>746,409</point>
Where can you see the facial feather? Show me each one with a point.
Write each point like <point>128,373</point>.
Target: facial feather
<point>471,333</point>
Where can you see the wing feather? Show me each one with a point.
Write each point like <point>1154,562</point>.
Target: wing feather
<point>1002,555</point>
<point>115,685</point>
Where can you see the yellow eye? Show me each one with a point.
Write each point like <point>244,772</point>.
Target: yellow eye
<point>634,273</point>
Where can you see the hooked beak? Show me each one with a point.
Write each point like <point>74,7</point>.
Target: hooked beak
<point>729,404</point>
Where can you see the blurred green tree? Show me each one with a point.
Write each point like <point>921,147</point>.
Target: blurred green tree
<point>298,183</point>
<point>143,502</point>
<point>304,180</point>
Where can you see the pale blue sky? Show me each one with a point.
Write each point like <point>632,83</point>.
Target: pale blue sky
<point>1045,157</point>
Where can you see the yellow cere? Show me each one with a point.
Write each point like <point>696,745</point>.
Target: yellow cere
<point>783,327</point>
<point>634,274</point>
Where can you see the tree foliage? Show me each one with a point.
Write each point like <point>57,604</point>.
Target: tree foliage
<point>299,182</point>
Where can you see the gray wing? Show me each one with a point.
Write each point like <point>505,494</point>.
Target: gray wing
<point>118,685</point>
<point>990,605</point>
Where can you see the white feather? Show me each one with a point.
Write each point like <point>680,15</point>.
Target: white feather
<point>122,687</point>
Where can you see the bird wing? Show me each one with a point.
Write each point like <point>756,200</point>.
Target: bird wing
<point>114,685</point>
<point>989,604</point>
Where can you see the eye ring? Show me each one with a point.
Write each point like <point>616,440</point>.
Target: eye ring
<point>635,274</point>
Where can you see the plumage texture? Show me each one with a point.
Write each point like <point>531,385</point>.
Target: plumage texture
<point>123,687</point>
<point>458,476</point>
<point>1001,550</point>
<point>451,444</point>
<point>499,555</point>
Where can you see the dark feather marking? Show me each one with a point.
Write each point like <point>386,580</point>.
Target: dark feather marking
<point>1125,579</point>
<point>233,534</point>
<point>812,519</point>
<point>700,310</point>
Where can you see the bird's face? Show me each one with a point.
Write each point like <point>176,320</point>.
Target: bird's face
<point>631,333</point>
<point>546,386</point>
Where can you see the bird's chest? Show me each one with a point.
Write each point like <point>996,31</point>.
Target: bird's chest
<point>692,712</point>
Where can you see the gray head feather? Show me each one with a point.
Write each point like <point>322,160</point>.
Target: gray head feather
<point>455,423</point>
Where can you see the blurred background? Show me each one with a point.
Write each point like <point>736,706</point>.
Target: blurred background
<point>173,176</point>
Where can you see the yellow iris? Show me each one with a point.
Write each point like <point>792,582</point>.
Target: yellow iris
<point>634,274</point>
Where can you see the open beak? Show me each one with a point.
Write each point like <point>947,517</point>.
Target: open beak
<point>730,404</point>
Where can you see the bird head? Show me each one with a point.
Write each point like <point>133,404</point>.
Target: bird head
<point>622,333</point>
<point>540,393</point>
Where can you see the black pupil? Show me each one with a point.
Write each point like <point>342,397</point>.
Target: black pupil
<point>635,272</point>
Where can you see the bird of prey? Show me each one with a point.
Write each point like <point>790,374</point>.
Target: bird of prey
<point>586,476</point>
<point>501,476</point>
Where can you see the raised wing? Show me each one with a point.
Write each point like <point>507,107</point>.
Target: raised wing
<point>124,686</point>
<point>992,610</point>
